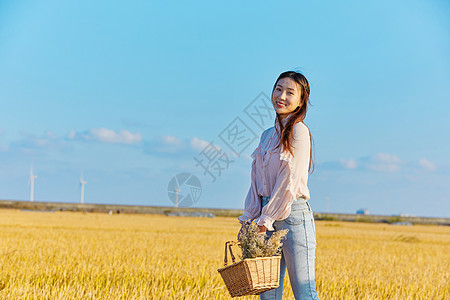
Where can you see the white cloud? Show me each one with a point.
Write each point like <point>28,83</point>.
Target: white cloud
<point>170,140</point>
<point>107,136</point>
<point>384,167</point>
<point>198,144</point>
<point>71,134</point>
<point>168,145</point>
<point>385,158</point>
<point>427,165</point>
<point>165,144</point>
<point>379,162</point>
<point>31,143</point>
<point>384,162</point>
<point>50,134</point>
<point>110,136</point>
<point>349,163</point>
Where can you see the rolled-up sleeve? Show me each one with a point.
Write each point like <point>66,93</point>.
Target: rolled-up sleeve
<point>252,206</point>
<point>293,172</point>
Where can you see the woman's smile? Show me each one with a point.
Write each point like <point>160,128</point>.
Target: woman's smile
<point>286,96</point>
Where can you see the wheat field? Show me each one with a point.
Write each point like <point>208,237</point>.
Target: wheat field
<point>75,255</point>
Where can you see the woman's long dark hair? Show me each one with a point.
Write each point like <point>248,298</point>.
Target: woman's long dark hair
<point>298,115</point>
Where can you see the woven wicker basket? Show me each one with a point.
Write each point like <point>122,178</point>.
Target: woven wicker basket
<point>251,276</point>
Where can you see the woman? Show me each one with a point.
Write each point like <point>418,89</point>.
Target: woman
<point>278,195</point>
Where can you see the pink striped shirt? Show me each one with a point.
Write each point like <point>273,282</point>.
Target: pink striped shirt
<point>280,175</point>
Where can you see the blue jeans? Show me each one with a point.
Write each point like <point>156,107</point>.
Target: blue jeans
<point>298,252</point>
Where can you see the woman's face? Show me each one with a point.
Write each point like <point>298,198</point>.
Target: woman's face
<point>286,97</point>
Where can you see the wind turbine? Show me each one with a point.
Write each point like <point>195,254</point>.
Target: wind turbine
<point>177,190</point>
<point>82,183</point>
<point>31,182</point>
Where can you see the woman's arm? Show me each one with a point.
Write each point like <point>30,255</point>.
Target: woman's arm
<point>294,170</point>
<point>252,201</point>
<point>252,207</point>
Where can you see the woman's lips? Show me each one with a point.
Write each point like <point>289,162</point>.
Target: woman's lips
<point>280,104</point>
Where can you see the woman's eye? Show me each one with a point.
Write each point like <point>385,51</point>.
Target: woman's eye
<point>291,93</point>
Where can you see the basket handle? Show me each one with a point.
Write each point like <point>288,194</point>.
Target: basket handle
<point>229,244</point>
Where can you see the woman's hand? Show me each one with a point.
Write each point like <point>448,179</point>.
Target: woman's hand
<point>262,229</point>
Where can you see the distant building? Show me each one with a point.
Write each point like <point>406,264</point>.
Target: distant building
<point>362,211</point>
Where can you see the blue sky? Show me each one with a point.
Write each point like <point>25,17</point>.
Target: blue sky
<point>129,93</point>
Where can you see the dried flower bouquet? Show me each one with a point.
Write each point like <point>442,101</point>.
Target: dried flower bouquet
<point>254,244</point>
